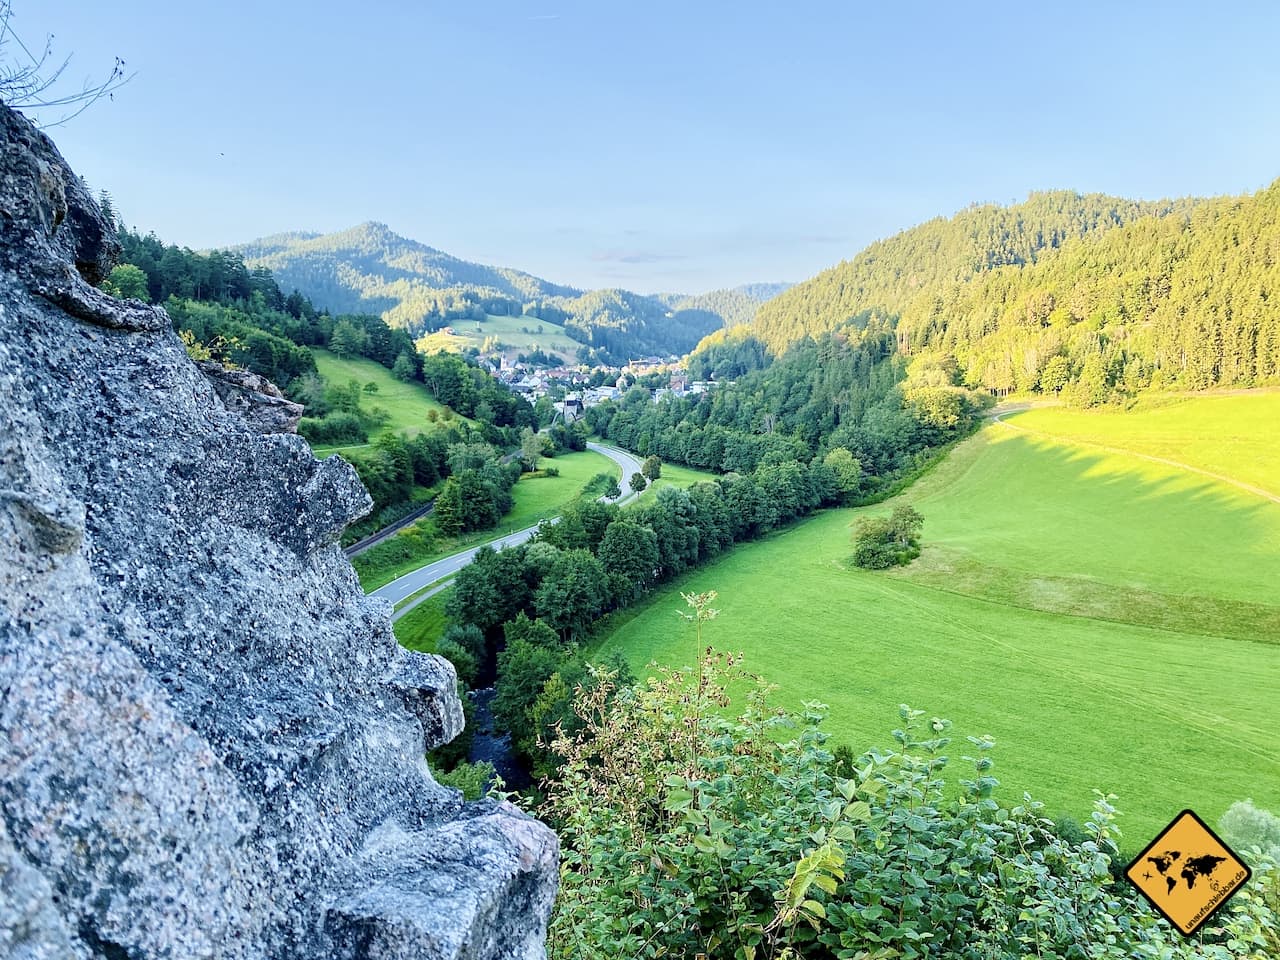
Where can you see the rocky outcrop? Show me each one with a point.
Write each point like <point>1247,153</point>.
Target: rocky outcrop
<point>210,743</point>
<point>259,402</point>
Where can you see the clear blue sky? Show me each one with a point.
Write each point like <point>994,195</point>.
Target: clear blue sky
<point>657,146</point>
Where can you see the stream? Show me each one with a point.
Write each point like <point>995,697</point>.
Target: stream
<point>493,747</point>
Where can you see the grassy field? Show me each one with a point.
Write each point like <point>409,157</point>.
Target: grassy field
<point>674,475</point>
<point>421,627</point>
<point>1232,435</point>
<point>535,499</point>
<point>406,403</point>
<point>541,497</point>
<point>1112,621</point>
<point>509,331</point>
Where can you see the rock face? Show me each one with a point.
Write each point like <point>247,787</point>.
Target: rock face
<point>258,401</point>
<point>210,743</point>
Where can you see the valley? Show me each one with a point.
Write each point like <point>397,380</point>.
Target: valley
<point>536,498</point>
<point>861,547</point>
<point>1112,622</point>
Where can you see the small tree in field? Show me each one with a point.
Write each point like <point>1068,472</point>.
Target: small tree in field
<point>652,467</point>
<point>637,482</point>
<point>906,524</point>
<point>532,447</point>
<point>883,542</point>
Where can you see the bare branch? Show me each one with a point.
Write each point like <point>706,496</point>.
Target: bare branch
<point>33,81</point>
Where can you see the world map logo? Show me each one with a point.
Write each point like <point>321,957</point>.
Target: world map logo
<point>1187,873</point>
<point>1192,867</point>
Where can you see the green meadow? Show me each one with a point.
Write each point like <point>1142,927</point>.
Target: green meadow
<point>1232,435</point>
<point>538,497</point>
<point>1112,621</point>
<point>509,331</point>
<point>674,475</point>
<point>421,627</point>
<point>407,404</point>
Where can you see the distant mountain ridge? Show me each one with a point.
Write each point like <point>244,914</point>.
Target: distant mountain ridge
<point>371,269</point>
<point>736,306</point>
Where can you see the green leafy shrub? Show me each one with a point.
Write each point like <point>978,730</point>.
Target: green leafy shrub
<point>696,823</point>
<point>880,542</point>
<point>334,429</point>
<point>598,484</point>
<point>472,779</point>
<point>464,662</point>
<point>1246,827</point>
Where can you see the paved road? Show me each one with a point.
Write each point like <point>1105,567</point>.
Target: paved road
<point>411,583</point>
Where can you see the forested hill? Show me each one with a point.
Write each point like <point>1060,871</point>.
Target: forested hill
<point>370,269</point>
<point>1184,300</point>
<point>1086,297</point>
<point>735,306</point>
<point>888,276</point>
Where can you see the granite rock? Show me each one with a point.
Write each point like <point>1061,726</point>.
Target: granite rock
<point>210,743</point>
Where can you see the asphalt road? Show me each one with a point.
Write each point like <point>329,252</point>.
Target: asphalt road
<point>411,583</point>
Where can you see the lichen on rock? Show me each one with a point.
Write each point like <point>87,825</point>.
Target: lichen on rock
<point>210,743</point>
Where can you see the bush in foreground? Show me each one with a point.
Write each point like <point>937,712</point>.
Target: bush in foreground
<point>1247,827</point>
<point>687,831</point>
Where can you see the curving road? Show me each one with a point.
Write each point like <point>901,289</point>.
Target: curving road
<point>444,569</point>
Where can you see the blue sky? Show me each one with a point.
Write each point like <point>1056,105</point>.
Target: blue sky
<point>655,146</point>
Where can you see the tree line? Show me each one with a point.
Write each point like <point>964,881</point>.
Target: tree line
<point>830,422</point>
<point>539,600</point>
<point>1177,301</point>
<point>842,391</point>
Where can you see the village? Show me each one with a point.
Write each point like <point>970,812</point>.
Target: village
<point>573,389</point>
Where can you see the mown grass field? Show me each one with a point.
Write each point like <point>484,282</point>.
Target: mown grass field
<point>421,627</point>
<point>536,498</point>
<point>1113,622</point>
<point>674,475</point>
<point>1231,434</point>
<point>509,331</point>
<point>407,404</point>
<point>539,497</point>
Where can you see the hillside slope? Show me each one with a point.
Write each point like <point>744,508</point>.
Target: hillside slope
<point>889,274</point>
<point>1180,300</point>
<point>1085,297</point>
<point>371,269</point>
<point>734,306</point>
<point>1094,592</point>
